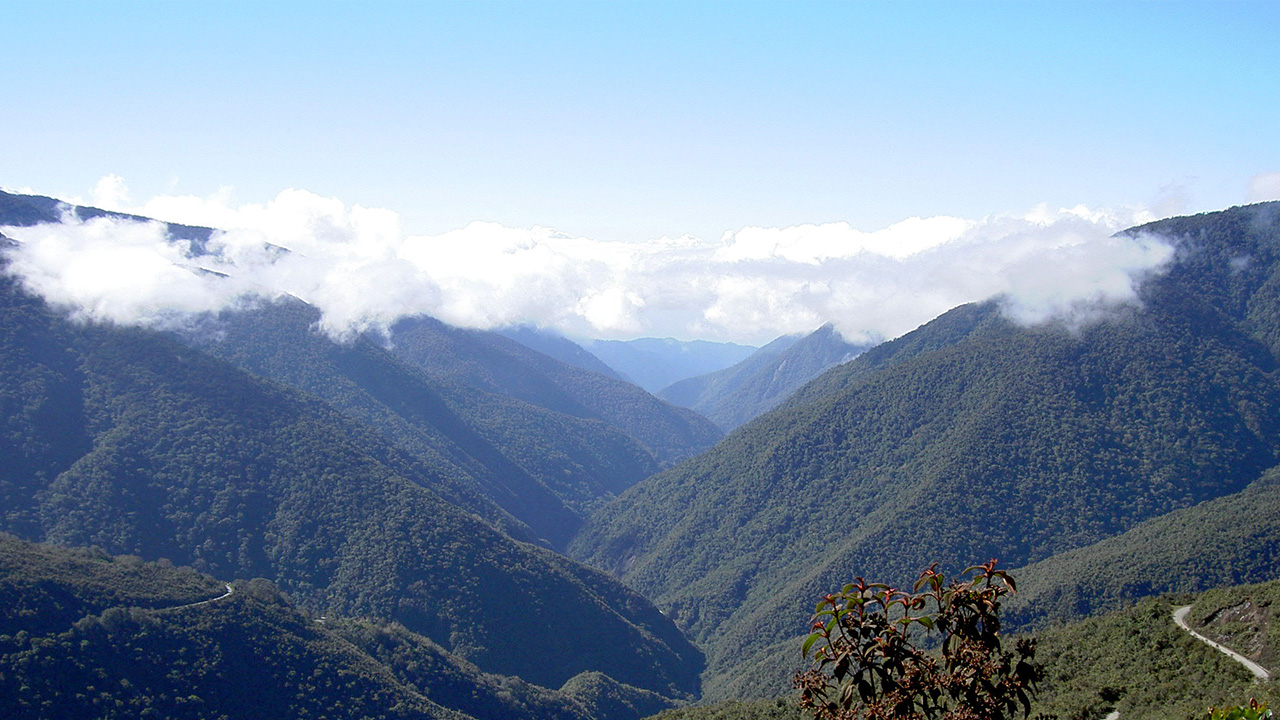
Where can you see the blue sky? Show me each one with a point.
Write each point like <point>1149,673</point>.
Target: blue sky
<point>629,121</point>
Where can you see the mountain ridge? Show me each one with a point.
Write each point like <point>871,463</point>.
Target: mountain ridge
<point>973,436</point>
<point>489,361</point>
<point>179,454</point>
<point>734,395</point>
<point>88,635</point>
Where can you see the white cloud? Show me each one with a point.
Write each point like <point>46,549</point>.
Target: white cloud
<point>361,270</point>
<point>812,244</point>
<point>120,272</point>
<point>111,193</point>
<point>1265,186</point>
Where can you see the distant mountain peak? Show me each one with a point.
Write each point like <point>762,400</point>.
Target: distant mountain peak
<point>735,395</point>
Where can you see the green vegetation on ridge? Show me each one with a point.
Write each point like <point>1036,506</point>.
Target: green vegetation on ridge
<point>104,637</point>
<point>491,362</point>
<point>1117,458</point>
<point>1226,541</point>
<point>186,457</point>
<point>1244,618</point>
<point>85,635</point>
<point>45,589</point>
<point>533,471</point>
<point>973,437</point>
<point>1133,659</point>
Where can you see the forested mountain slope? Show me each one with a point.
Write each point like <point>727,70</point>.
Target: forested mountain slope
<point>737,394</point>
<point>449,680</point>
<point>44,589</point>
<point>972,437</point>
<point>527,441</point>
<point>520,465</point>
<point>488,361</point>
<point>1136,661</point>
<point>128,440</point>
<point>85,635</point>
<point>1218,543</point>
<point>1225,541</point>
<point>1132,660</point>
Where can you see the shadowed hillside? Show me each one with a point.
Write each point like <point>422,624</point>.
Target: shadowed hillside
<point>491,362</point>
<point>128,440</point>
<point>534,471</point>
<point>86,635</point>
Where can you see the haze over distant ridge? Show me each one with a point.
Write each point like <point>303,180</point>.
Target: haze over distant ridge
<point>750,285</point>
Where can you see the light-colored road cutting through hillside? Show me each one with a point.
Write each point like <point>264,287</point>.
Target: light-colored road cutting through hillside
<point>1180,617</point>
<point>202,602</point>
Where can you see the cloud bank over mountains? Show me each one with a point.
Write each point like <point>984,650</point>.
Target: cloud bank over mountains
<point>363,272</point>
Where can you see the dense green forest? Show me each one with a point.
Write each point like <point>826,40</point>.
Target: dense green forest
<point>419,663</point>
<point>412,489</point>
<point>1136,661</point>
<point>525,441</point>
<point>972,437</point>
<point>87,635</point>
<point>45,589</point>
<point>536,472</point>
<point>488,361</point>
<point>129,440</point>
<point>763,709</point>
<point>195,461</point>
<point>1226,541</point>
<point>95,637</point>
<point>1132,659</point>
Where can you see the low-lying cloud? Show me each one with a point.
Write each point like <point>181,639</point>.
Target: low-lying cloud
<point>1264,186</point>
<point>363,272</point>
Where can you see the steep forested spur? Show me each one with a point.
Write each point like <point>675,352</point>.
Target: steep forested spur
<point>489,361</point>
<point>195,461</point>
<point>138,443</point>
<point>87,635</point>
<point>972,437</point>
<point>414,483</point>
<point>533,471</point>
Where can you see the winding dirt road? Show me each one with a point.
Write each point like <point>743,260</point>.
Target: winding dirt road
<point>1180,617</point>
